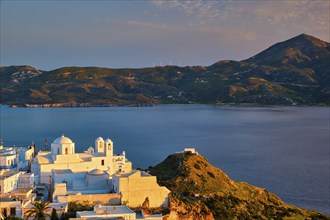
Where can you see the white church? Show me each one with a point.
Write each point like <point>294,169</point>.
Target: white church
<point>62,158</point>
<point>95,175</point>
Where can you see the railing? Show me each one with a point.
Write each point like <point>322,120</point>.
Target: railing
<point>8,167</point>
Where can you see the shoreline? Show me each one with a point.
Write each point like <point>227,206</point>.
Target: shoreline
<point>86,105</point>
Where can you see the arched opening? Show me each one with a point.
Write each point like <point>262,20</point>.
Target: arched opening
<point>66,150</point>
<point>58,151</point>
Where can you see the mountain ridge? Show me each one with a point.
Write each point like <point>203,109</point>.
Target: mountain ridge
<point>292,72</point>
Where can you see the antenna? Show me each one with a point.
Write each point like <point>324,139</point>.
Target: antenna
<point>46,145</point>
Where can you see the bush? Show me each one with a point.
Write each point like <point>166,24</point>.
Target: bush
<point>54,215</point>
<point>211,174</point>
<point>197,166</point>
<point>81,206</point>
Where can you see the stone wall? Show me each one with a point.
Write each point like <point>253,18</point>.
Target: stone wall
<point>110,199</point>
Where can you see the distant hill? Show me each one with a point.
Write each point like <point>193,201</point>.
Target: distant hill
<point>293,72</point>
<point>201,191</point>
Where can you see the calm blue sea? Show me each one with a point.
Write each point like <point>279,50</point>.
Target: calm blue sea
<point>283,149</point>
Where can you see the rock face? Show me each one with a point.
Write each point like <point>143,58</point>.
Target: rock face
<point>293,72</point>
<point>201,191</point>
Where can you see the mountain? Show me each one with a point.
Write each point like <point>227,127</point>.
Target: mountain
<point>293,72</point>
<point>201,191</point>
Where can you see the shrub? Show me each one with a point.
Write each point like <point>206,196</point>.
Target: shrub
<point>211,174</point>
<point>197,166</point>
<point>80,206</point>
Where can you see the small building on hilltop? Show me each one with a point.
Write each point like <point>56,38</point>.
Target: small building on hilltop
<point>190,150</point>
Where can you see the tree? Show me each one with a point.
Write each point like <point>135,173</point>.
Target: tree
<point>54,215</point>
<point>64,216</point>
<point>38,211</point>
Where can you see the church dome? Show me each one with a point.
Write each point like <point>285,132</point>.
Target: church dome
<point>62,140</point>
<point>108,140</point>
<point>96,172</point>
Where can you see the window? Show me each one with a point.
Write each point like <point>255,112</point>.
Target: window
<point>66,150</point>
<point>102,162</point>
<point>13,211</point>
<point>4,212</point>
<point>58,151</point>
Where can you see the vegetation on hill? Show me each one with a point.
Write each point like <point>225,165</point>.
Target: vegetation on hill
<point>293,72</point>
<point>201,191</point>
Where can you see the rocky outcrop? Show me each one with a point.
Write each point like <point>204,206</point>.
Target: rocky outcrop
<point>201,191</point>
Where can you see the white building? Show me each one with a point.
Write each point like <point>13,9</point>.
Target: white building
<point>12,179</point>
<point>108,212</point>
<point>9,206</point>
<point>18,158</point>
<point>93,182</point>
<point>190,150</point>
<point>8,180</point>
<point>136,186</point>
<point>63,157</point>
<point>115,212</point>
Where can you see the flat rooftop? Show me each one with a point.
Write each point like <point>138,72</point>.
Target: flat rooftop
<point>7,199</point>
<point>8,174</point>
<point>106,210</point>
<point>21,190</point>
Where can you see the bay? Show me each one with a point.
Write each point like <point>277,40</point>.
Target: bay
<point>282,149</point>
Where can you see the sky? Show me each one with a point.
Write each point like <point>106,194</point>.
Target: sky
<point>134,33</point>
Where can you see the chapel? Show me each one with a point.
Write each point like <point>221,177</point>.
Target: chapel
<point>62,156</point>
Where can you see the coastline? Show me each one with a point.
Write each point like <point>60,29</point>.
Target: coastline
<point>87,105</point>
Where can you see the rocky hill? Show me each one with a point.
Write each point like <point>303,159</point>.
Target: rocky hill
<point>293,72</point>
<point>201,191</point>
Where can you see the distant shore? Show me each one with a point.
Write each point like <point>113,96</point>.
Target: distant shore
<point>86,105</point>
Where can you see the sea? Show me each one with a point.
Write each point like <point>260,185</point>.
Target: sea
<point>282,149</point>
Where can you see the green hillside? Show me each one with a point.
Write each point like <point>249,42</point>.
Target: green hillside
<point>202,191</point>
<point>293,72</point>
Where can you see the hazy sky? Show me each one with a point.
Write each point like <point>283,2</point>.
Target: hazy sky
<point>52,34</point>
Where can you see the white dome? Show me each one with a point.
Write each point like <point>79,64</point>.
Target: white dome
<point>62,140</point>
<point>96,172</point>
<point>108,140</point>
